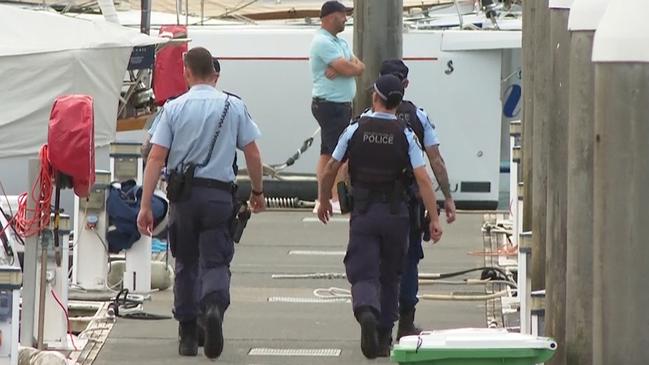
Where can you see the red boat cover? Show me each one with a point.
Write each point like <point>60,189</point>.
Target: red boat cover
<point>71,141</point>
<point>168,78</point>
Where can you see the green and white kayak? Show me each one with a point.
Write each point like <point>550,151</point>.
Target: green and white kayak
<point>473,346</point>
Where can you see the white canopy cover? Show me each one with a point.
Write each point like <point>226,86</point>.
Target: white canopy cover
<point>44,55</point>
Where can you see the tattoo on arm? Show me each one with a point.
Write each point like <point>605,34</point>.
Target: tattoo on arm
<point>441,175</point>
<point>146,149</point>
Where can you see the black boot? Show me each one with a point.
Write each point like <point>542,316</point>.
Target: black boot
<point>407,323</point>
<point>187,341</point>
<point>385,342</point>
<point>211,323</point>
<point>200,336</point>
<point>369,336</point>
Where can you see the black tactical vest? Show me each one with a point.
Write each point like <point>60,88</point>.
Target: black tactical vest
<point>407,112</point>
<point>378,154</point>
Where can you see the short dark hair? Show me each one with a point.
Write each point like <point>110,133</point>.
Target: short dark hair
<point>330,7</point>
<point>199,61</point>
<point>390,90</point>
<point>395,67</point>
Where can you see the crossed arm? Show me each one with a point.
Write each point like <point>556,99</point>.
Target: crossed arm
<point>343,67</point>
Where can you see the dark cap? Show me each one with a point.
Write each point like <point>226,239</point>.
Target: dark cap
<point>217,65</point>
<point>394,67</point>
<point>389,87</point>
<point>332,7</point>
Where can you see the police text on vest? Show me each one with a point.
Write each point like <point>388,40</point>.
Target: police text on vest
<point>378,138</point>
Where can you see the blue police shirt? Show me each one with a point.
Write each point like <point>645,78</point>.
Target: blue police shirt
<point>430,135</point>
<point>414,150</point>
<point>326,48</point>
<point>187,126</point>
<point>156,116</point>
<point>156,119</point>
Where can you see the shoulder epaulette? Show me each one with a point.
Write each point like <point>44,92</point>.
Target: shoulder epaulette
<point>231,94</point>
<point>358,117</point>
<point>355,120</point>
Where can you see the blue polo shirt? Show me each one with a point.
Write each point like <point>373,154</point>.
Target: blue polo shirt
<point>187,125</point>
<point>326,48</point>
<point>415,152</point>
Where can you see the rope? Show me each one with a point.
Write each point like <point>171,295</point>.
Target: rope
<point>463,297</point>
<point>489,276</point>
<point>422,276</point>
<point>337,293</point>
<point>129,306</point>
<point>275,169</point>
<point>40,215</point>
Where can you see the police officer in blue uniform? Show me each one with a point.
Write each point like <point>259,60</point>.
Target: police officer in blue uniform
<point>383,156</point>
<point>201,121</point>
<point>146,146</point>
<point>417,119</point>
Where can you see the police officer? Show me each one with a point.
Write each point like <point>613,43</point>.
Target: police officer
<point>417,119</point>
<point>146,146</point>
<point>380,151</point>
<point>199,220</point>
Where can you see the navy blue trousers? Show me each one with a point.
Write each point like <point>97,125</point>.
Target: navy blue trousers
<point>378,242</point>
<point>200,241</point>
<point>410,278</point>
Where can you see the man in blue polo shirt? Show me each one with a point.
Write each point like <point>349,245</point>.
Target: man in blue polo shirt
<point>333,68</point>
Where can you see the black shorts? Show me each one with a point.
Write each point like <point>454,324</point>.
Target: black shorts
<point>333,118</point>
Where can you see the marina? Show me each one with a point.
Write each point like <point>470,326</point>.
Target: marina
<point>538,115</point>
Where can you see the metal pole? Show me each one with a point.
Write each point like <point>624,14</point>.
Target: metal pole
<point>525,281</point>
<point>529,11</point>
<point>581,124</point>
<point>29,266</point>
<point>145,16</point>
<point>179,7</point>
<point>202,11</point>
<point>542,73</point>
<point>186,12</point>
<point>378,35</point>
<point>556,229</point>
<point>459,14</point>
<point>621,178</point>
<point>42,285</point>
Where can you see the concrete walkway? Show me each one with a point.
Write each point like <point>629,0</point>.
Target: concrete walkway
<point>254,322</point>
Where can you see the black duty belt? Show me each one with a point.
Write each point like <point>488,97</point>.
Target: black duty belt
<point>364,196</point>
<point>318,99</point>
<point>213,184</point>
